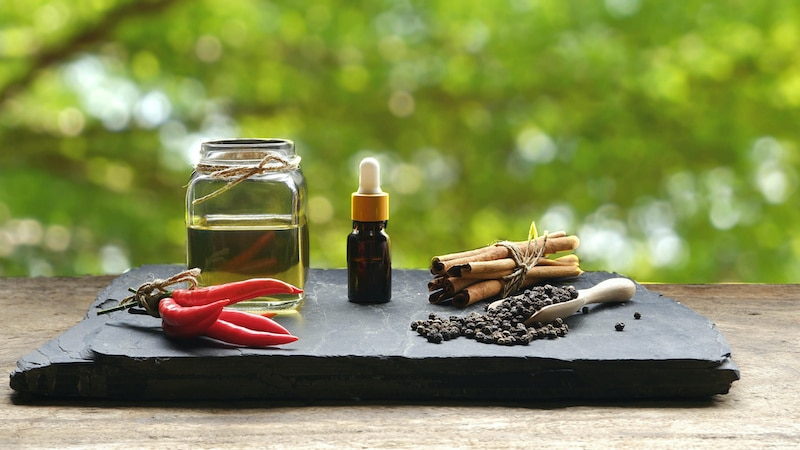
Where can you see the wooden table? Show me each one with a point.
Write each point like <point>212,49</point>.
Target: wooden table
<point>761,322</point>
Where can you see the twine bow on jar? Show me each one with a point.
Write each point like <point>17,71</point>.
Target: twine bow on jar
<point>271,162</point>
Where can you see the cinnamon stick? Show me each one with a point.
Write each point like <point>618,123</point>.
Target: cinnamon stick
<point>477,292</point>
<point>457,284</point>
<point>436,283</point>
<point>450,285</point>
<point>502,267</point>
<point>492,288</point>
<point>566,260</point>
<point>495,252</point>
<point>438,297</point>
<point>479,254</point>
<point>478,268</point>
<point>541,273</point>
<point>458,255</point>
<point>554,244</point>
<point>488,253</point>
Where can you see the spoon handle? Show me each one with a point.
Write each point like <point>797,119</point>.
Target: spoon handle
<point>609,291</point>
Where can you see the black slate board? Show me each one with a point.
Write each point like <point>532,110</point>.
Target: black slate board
<point>350,351</point>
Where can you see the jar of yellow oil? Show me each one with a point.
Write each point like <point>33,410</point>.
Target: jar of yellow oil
<point>246,217</point>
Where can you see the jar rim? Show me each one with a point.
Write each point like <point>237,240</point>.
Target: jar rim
<point>232,144</point>
<point>244,150</point>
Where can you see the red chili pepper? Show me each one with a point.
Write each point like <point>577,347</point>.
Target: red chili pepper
<point>252,321</point>
<point>188,331</point>
<point>193,312</point>
<point>176,315</point>
<point>234,334</point>
<point>236,292</point>
<point>185,322</point>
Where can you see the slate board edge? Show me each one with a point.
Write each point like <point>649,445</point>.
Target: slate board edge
<point>171,379</point>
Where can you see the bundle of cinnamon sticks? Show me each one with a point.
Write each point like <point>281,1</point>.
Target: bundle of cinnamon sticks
<point>474,275</point>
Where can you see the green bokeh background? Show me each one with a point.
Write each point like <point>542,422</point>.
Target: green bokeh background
<point>663,133</point>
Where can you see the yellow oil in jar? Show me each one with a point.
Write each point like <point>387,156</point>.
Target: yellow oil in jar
<point>234,248</point>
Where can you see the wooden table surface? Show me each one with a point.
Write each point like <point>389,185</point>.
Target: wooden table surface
<point>762,410</point>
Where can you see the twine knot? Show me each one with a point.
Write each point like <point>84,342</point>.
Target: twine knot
<point>150,293</point>
<point>524,260</point>
<point>271,162</point>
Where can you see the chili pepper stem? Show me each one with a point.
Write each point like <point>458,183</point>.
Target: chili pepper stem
<point>129,302</point>
<point>149,294</point>
<point>119,307</point>
<point>135,300</point>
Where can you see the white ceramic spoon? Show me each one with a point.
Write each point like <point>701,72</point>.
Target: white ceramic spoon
<point>612,290</point>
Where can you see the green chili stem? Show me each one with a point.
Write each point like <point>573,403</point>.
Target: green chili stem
<point>119,307</point>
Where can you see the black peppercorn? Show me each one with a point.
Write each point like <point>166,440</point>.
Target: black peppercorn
<point>637,316</point>
<point>504,325</point>
<point>619,326</point>
<point>435,338</point>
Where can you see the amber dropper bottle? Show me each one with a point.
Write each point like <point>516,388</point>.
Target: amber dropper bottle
<point>369,263</point>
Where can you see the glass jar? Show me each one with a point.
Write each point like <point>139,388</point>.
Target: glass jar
<point>246,217</point>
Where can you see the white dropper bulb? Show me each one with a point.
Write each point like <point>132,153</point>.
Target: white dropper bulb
<point>369,177</point>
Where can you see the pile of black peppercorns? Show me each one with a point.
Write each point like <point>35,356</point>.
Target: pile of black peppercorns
<point>504,324</point>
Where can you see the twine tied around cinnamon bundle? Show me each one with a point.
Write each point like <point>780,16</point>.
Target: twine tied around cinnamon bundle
<point>524,259</point>
<point>271,162</point>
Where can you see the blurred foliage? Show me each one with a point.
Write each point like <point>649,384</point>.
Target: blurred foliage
<point>664,134</point>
